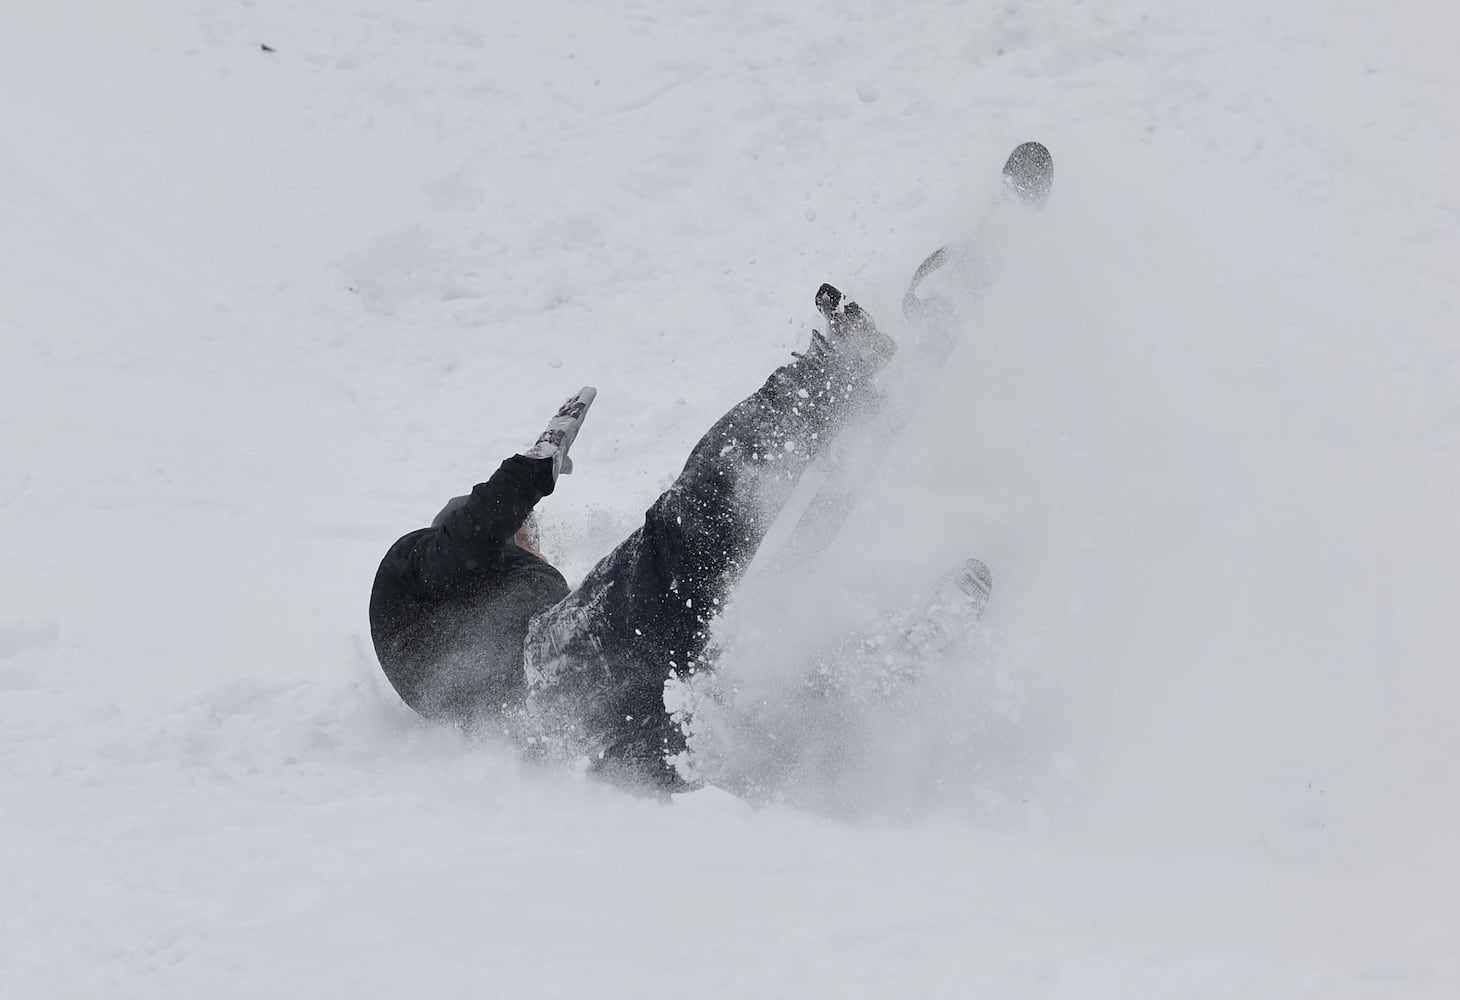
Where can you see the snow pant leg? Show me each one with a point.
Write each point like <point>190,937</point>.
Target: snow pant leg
<point>597,661</point>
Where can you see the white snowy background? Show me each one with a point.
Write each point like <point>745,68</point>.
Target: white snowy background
<point>261,312</point>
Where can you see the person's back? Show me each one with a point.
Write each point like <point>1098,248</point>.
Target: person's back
<point>451,603</point>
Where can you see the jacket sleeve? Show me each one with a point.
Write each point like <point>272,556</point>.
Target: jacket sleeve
<point>467,546</point>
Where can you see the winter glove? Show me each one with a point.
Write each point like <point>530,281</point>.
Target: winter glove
<point>557,438</point>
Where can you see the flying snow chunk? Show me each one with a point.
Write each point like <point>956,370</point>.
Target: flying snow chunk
<point>867,91</point>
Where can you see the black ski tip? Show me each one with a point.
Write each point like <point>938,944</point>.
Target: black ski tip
<point>976,582</point>
<point>1029,171</point>
<point>974,574</point>
<point>828,297</point>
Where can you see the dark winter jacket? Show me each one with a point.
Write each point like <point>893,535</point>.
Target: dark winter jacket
<point>451,603</point>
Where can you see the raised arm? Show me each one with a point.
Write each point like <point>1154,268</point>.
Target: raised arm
<point>466,542</point>
<point>466,545</point>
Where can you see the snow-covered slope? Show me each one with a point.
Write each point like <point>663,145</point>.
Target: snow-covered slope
<point>263,309</point>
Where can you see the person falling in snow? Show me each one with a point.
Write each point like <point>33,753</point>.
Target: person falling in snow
<point>471,625</point>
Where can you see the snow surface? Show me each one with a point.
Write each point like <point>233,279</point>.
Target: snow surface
<point>263,311</point>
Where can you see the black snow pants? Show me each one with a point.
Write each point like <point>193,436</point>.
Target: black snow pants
<point>597,662</point>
